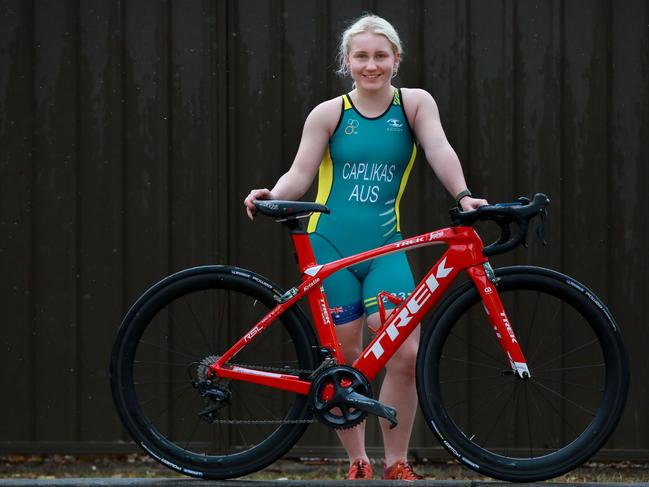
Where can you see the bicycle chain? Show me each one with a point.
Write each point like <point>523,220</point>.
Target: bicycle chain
<point>263,421</point>
<point>268,421</point>
<point>272,369</point>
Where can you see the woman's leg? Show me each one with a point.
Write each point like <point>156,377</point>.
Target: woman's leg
<point>350,337</point>
<point>399,391</point>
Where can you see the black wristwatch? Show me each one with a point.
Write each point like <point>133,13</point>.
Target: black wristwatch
<point>461,195</point>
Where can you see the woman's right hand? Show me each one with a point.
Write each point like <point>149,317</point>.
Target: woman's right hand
<point>255,194</point>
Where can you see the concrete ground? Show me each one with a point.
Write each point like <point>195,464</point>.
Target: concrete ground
<point>140,470</point>
<point>164,482</point>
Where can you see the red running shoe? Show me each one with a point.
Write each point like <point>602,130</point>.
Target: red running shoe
<point>400,471</point>
<point>360,470</point>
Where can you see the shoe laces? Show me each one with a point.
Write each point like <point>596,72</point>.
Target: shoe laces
<point>400,471</point>
<point>360,469</point>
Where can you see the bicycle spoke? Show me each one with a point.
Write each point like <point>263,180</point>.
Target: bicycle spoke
<point>561,396</point>
<point>484,406</point>
<point>159,382</point>
<point>478,379</point>
<point>495,422</point>
<point>160,413</point>
<point>151,362</point>
<point>218,328</point>
<point>529,426</point>
<point>167,349</point>
<point>191,436</point>
<point>557,413</point>
<point>541,415</point>
<point>476,364</point>
<point>208,346</point>
<point>528,338</point>
<point>565,354</point>
<point>477,349</point>
<point>570,383</point>
<point>542,341</point>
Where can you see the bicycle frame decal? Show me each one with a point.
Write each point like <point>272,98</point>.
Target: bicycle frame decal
<point>498,318</point>
<point>464,253</point>
<point>404,320</point>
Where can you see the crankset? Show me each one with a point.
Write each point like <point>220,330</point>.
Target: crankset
<point>341,398</point>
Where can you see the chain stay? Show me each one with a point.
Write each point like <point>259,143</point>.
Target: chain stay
<point>268,421</point>
<point>266,368</point>
<point>263,421</point>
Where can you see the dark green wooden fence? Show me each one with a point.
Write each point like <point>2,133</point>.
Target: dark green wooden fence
<point>130,132</point>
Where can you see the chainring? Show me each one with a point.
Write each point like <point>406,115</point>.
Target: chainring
<point>327,396</point>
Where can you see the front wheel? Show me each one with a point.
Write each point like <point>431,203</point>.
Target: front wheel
<point>515,429</point>
<point>162,390</point>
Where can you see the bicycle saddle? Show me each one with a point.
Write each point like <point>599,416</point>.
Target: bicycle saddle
<point>288,209</point>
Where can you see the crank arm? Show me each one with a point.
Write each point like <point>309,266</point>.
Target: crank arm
<point>372,406</point>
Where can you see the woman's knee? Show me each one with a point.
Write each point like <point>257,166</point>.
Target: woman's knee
<point>404,361</point>
<point>350,338</point>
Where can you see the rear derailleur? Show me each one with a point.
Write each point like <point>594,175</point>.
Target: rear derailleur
<point>216,393</point>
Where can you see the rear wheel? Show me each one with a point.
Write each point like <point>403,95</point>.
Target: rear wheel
<point>159,373</point>
<point>515,429</point>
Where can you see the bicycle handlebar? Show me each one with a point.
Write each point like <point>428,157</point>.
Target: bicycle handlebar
<point>519,212</point>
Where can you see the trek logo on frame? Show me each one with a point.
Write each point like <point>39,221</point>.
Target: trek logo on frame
<point>414,304</point>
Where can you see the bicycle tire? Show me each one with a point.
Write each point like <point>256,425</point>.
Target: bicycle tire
<point>524,430</point>
<point>167,331</point>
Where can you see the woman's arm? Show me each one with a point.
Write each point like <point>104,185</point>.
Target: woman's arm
<point>439,153</point>
<point>296,181</point>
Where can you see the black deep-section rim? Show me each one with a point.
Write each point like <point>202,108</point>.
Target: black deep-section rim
<point>568,456</point>
<point>147,435</point>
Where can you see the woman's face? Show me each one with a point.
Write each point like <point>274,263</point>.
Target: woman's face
<point>371,60</point>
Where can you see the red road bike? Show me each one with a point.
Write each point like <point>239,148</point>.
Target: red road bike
<point>521,373</point>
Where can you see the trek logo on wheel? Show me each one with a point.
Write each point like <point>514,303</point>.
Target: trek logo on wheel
<point>413,305</point>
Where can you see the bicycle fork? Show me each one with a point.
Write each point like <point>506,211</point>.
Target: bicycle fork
<point>485,281</point>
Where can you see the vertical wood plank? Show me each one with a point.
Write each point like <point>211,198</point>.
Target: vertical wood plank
<point>146,140</point>
<point>306,74</point>
<point>537,149</point>
<point>490,98</point>
<point>442,66</point>
<point>585,145</point>
<point>256,131</point>
<point>16,219</point>
<point>191,170</point>
<point>628,131</point>
<point>55,261</point>
<point>100,197</point>
<point>221,109</point>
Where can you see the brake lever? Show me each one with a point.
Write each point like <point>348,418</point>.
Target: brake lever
<point>540,227</point>
<point>505,231</point>
<point>523,225</point>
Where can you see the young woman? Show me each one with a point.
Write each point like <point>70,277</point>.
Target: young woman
<point>363,144</point>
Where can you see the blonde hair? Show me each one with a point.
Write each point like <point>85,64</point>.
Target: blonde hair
<point>367,23</point>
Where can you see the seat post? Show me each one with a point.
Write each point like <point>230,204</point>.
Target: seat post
<point>301,243</point>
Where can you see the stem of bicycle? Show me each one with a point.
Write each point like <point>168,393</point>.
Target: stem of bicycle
<point>497,316</point>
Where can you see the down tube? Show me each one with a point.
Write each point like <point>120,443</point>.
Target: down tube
<point>407,316</point>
